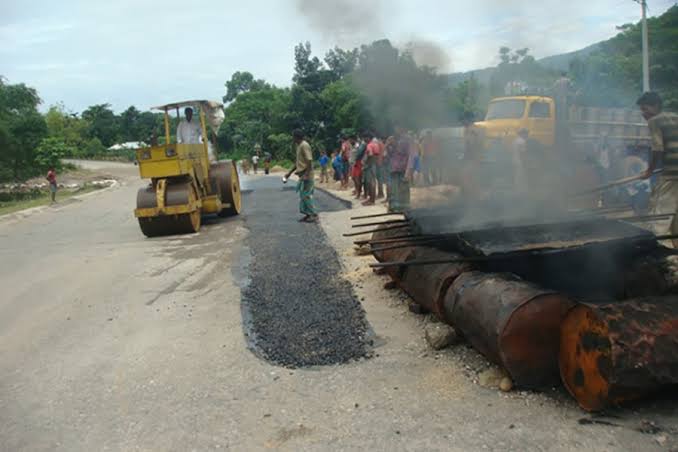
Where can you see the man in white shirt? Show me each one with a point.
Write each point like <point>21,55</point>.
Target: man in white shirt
<point>189,132</point>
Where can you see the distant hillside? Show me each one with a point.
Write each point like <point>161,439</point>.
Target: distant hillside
<point>556,62</point>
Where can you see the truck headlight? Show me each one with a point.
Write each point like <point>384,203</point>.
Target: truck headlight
<point>170,152</point>
<point>145,155</point>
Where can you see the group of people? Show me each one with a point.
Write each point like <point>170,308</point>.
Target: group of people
<point>255,161</point>
<point>383,167</point>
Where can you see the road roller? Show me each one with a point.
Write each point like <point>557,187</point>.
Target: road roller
<point>186,181</point>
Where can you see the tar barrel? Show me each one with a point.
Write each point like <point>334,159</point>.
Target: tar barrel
<point>393,255</point>
<point>512,322</point>
<point>652,274</point>
<point>617,352</point>
<point>428,284</point>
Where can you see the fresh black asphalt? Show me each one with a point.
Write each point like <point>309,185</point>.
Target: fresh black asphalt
<point>297,309</point>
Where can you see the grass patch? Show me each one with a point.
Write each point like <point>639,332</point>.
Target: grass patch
<point>43,199</point>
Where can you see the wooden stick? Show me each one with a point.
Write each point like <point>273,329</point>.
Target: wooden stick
<point>387,214</point>
<point>372,231</point>
<point>364,225</point>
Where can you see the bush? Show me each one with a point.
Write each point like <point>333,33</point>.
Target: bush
<point>94,147</point>
<point>50,152</point>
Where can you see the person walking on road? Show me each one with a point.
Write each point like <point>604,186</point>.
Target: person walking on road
<point>51,178</point>
<point>664,134</point>
<point>255,158</point>
<point>304,170</point>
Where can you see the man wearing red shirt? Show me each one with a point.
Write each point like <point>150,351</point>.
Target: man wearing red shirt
<point>370,167</point>
<point>51,178</point>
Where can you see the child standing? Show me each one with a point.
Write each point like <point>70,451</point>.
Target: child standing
<point>324,162</point>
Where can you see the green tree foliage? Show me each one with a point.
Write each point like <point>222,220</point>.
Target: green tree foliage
<point>612,75</point>
<point>242,82</point>
<point>520,66</point>
<point>50,152</point>
<point>102,123</point>
<point>22,128</point>
<point>66,126</point>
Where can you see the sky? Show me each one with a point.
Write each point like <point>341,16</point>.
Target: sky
<point>150,52</point>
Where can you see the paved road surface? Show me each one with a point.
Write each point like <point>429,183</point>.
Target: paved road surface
<point>110,341</point>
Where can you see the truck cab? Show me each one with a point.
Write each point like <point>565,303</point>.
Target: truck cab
<point>507,115</point>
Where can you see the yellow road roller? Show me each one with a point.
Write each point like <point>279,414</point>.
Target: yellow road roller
<point>186,182</point>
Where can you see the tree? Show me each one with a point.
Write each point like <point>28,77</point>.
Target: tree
<point>22,128</point>
<point>50,152</point>
<point>128,124</point>
<point>66,126</point>
<point>242,82</point>
<point>101,123</point>
<point>611,75</point>
<point>341,62</point>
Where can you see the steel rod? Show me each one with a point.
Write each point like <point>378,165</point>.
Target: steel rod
<point>387,214</point>
<point>372,231</point>
<point>409,245</point>
<point>624,181</point>
<point>398,238</point>
<point>364,225</point>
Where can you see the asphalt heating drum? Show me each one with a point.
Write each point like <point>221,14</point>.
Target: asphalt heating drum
<point>612,353</point>
<point>512,322</point>
<point>428,284</point>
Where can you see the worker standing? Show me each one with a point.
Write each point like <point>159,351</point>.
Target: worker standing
<point>372,151</point>
<point>255,158</point>
<point>664,133</point>
<point>518,156</point>
<point>304,169</point>
<point>189,131</point>
<point>402,161</point>
<point>51,179</point>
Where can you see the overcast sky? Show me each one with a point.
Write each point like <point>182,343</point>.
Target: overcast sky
<point>148,52</point>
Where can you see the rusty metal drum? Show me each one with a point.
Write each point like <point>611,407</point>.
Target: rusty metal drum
<point>512,322</point>
<point>616,352</point>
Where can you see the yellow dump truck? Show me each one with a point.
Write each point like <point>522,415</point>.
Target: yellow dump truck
<point>185,181</point>
<point>585,128</point>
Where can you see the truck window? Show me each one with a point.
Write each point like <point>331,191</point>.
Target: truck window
<point>540,110</point>
<point>506,109</point>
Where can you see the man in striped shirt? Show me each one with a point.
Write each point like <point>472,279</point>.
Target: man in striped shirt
<point>664,132</point>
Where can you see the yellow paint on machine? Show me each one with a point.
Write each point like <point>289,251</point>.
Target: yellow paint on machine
<point>184,184</point>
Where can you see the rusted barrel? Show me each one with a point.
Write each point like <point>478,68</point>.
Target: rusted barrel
<point>612,353</point>
<point>652,274</point>
<point>401,254</point>
<point>512,322</point>
<point>428,284</point>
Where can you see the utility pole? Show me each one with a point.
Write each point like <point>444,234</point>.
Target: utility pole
<point>646,51</point>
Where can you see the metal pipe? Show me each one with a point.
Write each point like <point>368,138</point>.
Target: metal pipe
<point>624,181</point>
<point>406,245</point>
<point>364,225</point>
<point>387,214</point>
<point>389,240</point>
<point>372,231</point>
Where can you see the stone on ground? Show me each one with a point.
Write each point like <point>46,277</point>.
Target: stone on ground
<point>439,335</point>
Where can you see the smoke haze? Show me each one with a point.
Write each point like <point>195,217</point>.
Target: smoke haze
<point>345,21</point>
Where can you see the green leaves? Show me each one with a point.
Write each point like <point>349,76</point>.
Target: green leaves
<point>50,152</point>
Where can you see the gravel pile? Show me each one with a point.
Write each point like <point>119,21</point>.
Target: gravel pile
<point>298,311</point>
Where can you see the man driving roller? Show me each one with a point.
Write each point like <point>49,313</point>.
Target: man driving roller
<point>189,131</point>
